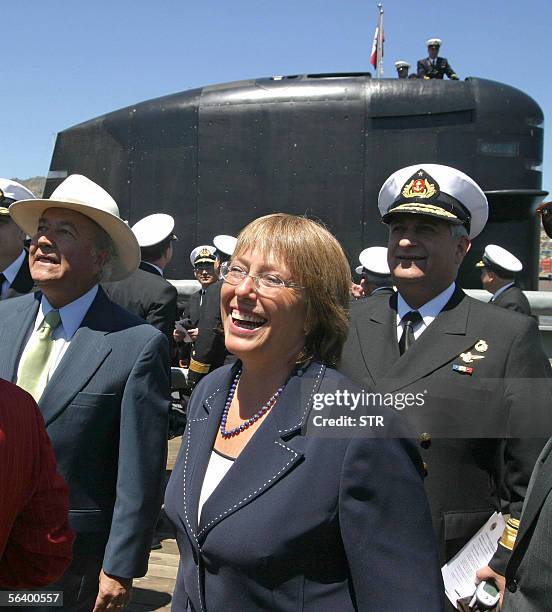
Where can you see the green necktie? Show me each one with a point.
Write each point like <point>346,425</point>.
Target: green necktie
<point>35,363</point>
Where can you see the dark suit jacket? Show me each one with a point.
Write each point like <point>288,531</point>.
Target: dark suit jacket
<point>35,538</point>
<point>209,350</point>
<point>468,424</point>
<point>529,572</point>
<point>513,298</point>
<point>442,67</point>
<point>193,308</point>
<point>22,283</point>
<point>105,410</point>
<point>147,295</point>
<point>300,521</point>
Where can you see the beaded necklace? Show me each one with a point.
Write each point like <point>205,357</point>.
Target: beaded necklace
<point>228,433</point>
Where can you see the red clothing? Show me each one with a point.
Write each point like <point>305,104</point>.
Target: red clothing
<point>35,538</point>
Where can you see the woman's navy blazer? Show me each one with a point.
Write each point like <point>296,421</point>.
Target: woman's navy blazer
<point>300,521</point>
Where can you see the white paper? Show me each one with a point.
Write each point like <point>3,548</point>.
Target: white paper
<point>459,572</point>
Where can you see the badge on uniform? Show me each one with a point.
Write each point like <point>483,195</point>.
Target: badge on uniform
<point>462,369</point>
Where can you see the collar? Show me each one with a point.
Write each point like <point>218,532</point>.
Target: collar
<point>502,290</point>
<point>11,271</point>
<point>71,314</point>
<point>429,310</point>
<point>148,263</point>
<point>385,289</point>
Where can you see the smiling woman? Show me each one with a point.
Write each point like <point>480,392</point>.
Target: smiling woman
<point>270,516</point>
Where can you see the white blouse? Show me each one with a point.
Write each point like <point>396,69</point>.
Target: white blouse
<point>216,470</point>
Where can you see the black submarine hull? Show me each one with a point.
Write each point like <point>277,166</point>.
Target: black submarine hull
<point>219,156</point>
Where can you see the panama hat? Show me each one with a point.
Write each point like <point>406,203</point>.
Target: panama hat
<point>82,195</point>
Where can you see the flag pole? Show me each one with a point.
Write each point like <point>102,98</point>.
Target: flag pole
<point>379,71</point>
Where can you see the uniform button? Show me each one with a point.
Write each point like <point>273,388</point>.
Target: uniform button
<point>424,466</point>
<point>512,586</point>
<point>425,440</point>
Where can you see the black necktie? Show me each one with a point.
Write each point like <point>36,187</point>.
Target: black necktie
<point>2,279</point>
<point>409,321</point>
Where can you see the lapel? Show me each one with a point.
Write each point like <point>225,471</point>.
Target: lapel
<point>268,457</point>
<point>14,332</point>
<point>377,335</point>
<point>539,489</point>
<point>86,352</point>
<point>440,343</point>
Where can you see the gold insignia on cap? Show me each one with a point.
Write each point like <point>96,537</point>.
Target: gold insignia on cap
<point>481,346</point>
<point>205,253</point>
<point>419,188</point>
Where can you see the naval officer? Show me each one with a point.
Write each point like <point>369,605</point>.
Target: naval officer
<point>209,351</point>
<point>433,66</point>
<point>529,571</point>
<point>146,293</point>
<point>375,276</point>
<point>481,370</point>
<point>498,270</point>
<point>15,277</point>
<point>402,68</point>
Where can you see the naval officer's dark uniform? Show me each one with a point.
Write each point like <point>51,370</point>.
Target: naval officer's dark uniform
<point>147,295</point>
<point>513,298</point>
<point>497,398</point>
<point>209,351</point>
<point>22,283</point>
<point>435,71</point>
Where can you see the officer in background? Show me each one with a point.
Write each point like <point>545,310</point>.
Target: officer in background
<point>433,66</point>
<point>146,293</point>
<point>203,260</point>
<point>498,270</point>
<point>15,277</point>
<point>479,372</point>
<point>374,271</point>
<point>402,69</point>
<point>529,571</point>
<point>209,351</point>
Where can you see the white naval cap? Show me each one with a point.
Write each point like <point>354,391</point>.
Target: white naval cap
<point>495,256</point>
<point>13,191</point>
<point>153,229</point>
<point>435,191</point>
<point>204,253</point>
<point>225,244</point>
<point>402,64</point>
<point>374,260</point>
<point>434,42</point>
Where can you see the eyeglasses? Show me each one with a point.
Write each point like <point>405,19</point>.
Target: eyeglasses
<point>234,275</point>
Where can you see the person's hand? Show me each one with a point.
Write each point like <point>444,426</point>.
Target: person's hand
<point>486,573</point>
<point>193,333</point>
<point>113,592</point>
<point>178,336</point>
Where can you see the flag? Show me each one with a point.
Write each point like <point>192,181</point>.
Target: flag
<point>374,55</point>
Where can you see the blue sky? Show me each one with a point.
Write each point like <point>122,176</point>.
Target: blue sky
<point>68,61</point>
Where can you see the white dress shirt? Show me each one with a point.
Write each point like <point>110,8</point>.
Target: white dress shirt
<point>71,315</point>
<point>11,272</point>
<point>428,311</point>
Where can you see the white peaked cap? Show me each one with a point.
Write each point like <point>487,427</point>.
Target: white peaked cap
<point>153,229</point>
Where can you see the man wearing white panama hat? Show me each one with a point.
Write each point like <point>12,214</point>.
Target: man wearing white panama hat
<point>100,377</point>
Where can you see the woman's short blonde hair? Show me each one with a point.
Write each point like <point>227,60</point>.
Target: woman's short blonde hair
<point>317,263</point>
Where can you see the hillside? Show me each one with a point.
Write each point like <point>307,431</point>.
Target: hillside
<point>35,184</point>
